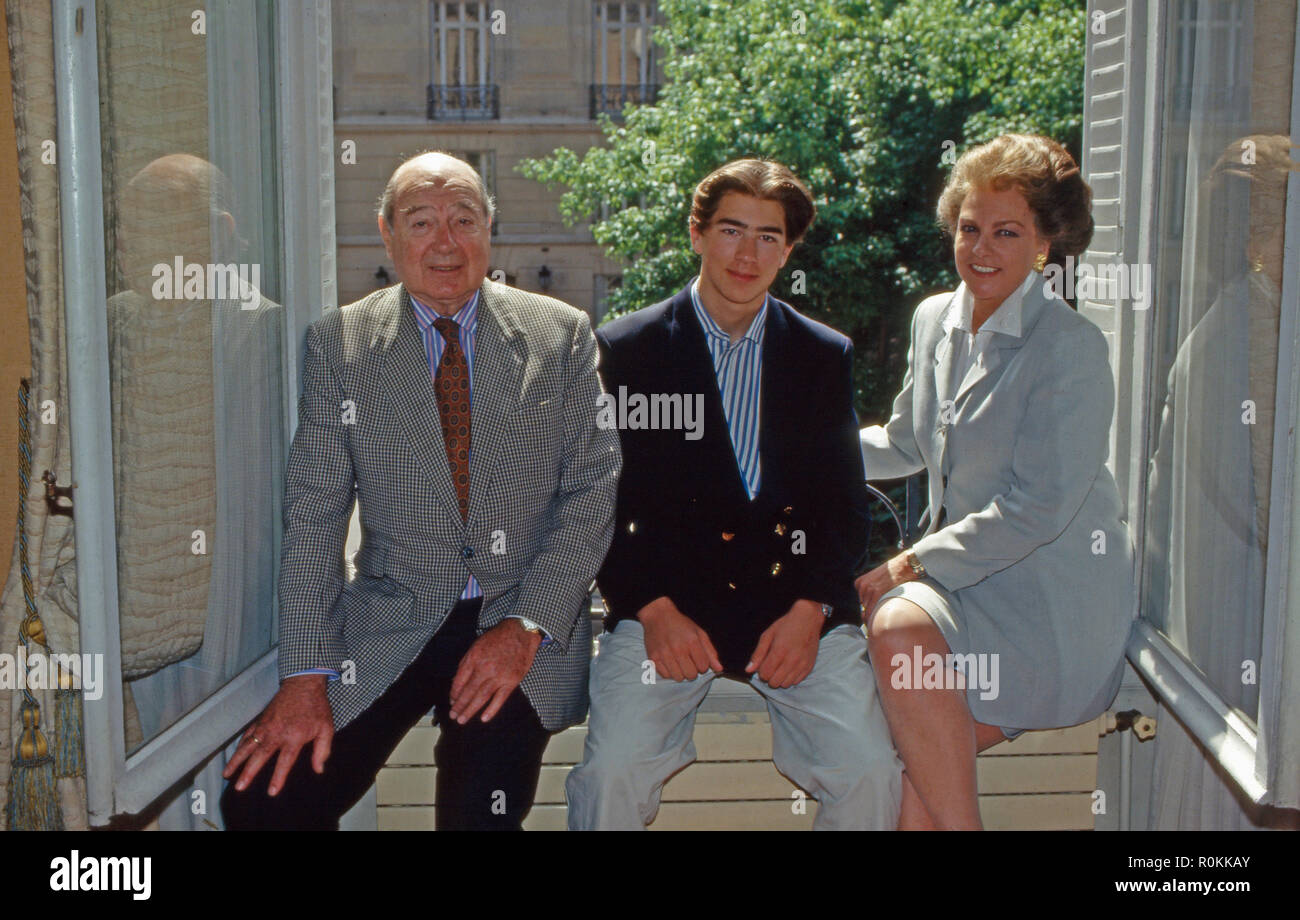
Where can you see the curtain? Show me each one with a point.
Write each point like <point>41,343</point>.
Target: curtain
<point>49,538</point>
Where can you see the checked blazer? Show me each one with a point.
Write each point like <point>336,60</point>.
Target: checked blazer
<point>543,478</point>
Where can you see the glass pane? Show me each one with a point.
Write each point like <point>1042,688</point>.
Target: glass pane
<point>636,39</point>
<point>455,64</point>
<point>1224,167</point>
<point>195,344</point>
<point>473,39</point>
<point>614,56</point>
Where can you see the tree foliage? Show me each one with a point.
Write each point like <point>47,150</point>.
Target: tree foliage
<point>861,98</point>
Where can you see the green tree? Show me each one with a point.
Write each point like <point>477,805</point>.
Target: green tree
<point>861,99</point>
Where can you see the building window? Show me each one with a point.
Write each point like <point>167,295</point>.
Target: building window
<point>623,56</point>
<point>601,286</point>
<point>461,88</point>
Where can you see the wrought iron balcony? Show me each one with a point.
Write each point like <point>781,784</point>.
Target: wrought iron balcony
<point>611,97</point>
<point>463,103</point>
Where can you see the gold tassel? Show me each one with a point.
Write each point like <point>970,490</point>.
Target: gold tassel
<point>32,794</point>
<point>32,799</point>
<point>69,759</point>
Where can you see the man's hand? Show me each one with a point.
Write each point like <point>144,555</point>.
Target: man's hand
<point>491,669</point>
<point>298,714</point>
<point>677,646</point>
<point>787,650</point>
<point>873,585</point>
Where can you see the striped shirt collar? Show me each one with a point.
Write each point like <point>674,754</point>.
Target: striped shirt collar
<point>754,333</point>
<point>466,317</point>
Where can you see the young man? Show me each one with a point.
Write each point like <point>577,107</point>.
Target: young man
<point>735,539</point>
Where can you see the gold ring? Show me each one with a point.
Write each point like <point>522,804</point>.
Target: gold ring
<point>257,740</point>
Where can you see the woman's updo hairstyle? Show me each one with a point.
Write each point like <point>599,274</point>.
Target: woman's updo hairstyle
<point>1043,172</point>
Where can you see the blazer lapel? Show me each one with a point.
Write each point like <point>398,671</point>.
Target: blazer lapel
<point>985,365</point>
<point>775,400</point>
<point>498,368</point>
<point>995,358</point>
<point>689,356</point>
<point>945,364</point>
<point>409,385</point>
<point>944,370</point>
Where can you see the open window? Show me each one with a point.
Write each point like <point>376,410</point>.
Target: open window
<point>197,186</point>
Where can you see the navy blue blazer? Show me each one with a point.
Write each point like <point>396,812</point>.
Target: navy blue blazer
<point>684,525</point>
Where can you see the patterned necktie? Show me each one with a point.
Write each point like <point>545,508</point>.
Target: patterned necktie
<point>451,386</point>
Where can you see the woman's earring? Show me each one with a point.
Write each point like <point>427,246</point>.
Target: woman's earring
<point>1040,263</point>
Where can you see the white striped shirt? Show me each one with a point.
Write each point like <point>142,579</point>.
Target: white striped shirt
<point>739,369</point>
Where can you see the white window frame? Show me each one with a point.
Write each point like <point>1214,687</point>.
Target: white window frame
<point>480,29</point>
<point>115,782</point>
<point>1238,745</point>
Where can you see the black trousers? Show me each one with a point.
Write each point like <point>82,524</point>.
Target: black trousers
<point>487,772</point>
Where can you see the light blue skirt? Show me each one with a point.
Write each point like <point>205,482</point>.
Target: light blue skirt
<point>944,609</point>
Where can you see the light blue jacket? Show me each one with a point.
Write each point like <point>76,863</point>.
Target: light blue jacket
<point>1034,545</point>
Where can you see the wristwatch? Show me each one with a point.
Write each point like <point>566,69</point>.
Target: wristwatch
<point>917,569</point>
<point>532,627</point>
<point>827,610</point>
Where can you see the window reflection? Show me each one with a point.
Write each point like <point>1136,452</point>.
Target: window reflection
<point>196,346</point>
<point>1220,272</point>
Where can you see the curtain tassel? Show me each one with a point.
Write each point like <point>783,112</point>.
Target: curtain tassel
<point>69,759</point>
<point>33,797</point>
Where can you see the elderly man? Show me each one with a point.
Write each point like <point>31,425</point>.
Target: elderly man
<point>462,415</point>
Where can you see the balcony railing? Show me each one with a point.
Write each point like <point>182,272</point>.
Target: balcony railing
<point>463,103</point>
<point>610,98</point>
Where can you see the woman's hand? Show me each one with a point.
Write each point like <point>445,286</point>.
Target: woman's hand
<point>873,585</point>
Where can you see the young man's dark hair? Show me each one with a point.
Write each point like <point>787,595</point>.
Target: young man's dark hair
<point>761,179</point>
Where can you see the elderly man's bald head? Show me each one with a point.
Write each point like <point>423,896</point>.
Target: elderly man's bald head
<point>433,167</point>
<point>181,180</point>
<point>178,205</point>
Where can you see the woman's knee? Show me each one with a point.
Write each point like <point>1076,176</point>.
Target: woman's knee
<point>899,625</point>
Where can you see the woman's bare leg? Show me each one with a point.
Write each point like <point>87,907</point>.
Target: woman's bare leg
<point>913,816</point>
<point>932,728</point>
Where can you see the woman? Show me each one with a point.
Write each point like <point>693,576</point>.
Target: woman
<point>1012,611</point>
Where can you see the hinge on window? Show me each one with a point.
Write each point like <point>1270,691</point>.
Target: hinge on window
<point>1143,727</point>
<point>54,493</point>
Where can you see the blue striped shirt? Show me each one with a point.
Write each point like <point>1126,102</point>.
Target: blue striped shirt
<point>434,345</point>
<point>739,369</point>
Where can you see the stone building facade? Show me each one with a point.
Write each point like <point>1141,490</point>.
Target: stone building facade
<point>495,83</point>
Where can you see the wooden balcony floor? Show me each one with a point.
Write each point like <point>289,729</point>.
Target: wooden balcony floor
<point>1042,781</point>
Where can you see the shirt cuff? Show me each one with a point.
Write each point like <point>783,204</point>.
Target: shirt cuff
<point>546,637</point>
<point>328,672</point>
